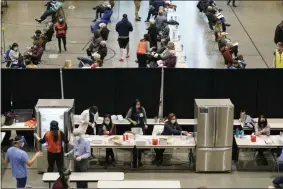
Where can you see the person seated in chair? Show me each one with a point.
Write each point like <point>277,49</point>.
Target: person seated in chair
<point>100,9</point>
<point>154,8</point>
<point>164,34</point>
<point>15,57</point>
<point>35,53</point>
<point>52,9</point>
<point>104,19</point>
<point>95,43</point>
<point>86,60</point>
<point>38,37</point>
<point>104,31</point>
<point>170,62</point>
<point>102,50</point>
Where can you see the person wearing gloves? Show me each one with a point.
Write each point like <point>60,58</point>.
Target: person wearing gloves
<point>88,121</point>
<point>108,128</point>
<point>81,152</point>
<point>138,119</point>
<point>54,139</point>
<point>19,161</point>
<point>171,127</point>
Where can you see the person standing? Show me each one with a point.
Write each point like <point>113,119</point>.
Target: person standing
<point>88,121</point>
<point>152,31</point>
<point>143,50</point>
<point>278,56</point>
<point>137,9</point>
<point>108,128</point>
<point>61,32</point>
<point>54,139</point>
<point>138,119</point>
<point>124,27</point>
<point>278,37</point>
<point>19,161</point>
<point>81,154</point>
<point>233,2</point>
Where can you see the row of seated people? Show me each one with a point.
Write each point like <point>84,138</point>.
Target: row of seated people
<point>218,24</point>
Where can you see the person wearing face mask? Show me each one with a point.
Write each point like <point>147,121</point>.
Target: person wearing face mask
<point>171,127</point>
<point>35,53</point>
<point>15,57</point>
<point>64,180</point>
<point>19,161</point>
<point>61,32</point>
<point>138,119</point>
<point>88,120</point>
<point>54,139</point>
<point>81,153</point>
<point>108,128</point>
<point>278,56</point>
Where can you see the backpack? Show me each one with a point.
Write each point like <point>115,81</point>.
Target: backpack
<point>142,47</point>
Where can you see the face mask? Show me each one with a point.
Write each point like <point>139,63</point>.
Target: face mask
<point>15,48</point>
<point>173,121</point>
<point>138,106</point>
<point>60,20</point>
<point>107,122</point>
<point>22,144</point>
<point>77,137</point>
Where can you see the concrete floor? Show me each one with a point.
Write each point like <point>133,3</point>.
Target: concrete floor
<point>253,29</point>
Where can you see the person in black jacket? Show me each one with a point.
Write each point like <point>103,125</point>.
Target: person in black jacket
<point>152,31</point>
<point>278,37</point>
<point>171,127</point>
<point>104,31</point>
<point>102,50</point>
<point>124,27</point>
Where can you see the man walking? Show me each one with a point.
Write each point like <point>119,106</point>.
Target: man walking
<point>137,9</point>
<point>124,27</point>
<point>19,161</point>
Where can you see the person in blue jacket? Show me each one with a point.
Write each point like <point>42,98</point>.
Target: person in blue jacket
<point>154,7</point>
<point>124,27</point>
<point>171,127</point>
<point>105,18</point>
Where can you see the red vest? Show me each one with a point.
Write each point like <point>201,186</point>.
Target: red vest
<point>61,29</point>
<point>53,147</point>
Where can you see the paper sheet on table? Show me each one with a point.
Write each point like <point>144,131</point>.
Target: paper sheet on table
<point>260,142</point>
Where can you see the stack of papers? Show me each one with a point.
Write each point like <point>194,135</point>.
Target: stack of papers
<point>141,141</point>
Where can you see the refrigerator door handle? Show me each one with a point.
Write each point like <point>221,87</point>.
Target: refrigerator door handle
<point>215,125</point>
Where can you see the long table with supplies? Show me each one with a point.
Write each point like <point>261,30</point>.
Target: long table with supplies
<point>20,126</point>
<point>139,184</point>
<point>275,123</point>
<point>85,176</point>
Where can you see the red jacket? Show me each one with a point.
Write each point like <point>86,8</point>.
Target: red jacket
<point>227,55</point>
<point>61,29</point>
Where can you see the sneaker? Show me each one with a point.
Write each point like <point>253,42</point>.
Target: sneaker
<point>38,20</point>
<point>146,21</point>
<point>121,59</point>
<point>138,19</point>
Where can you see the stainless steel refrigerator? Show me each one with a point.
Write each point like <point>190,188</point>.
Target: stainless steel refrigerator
<point>214,138</point>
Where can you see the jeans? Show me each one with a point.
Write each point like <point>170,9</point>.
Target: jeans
<point>47,13</point>
<point>81,166</point>
<point>64,43</point>
<point>277,181</point>
<point>55,157</point>
<point>21,182</point>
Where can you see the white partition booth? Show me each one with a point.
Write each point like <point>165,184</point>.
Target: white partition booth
<point>47,110</point>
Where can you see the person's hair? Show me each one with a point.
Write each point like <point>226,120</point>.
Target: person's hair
<point>152,21</point>
<point>161,8</point>
<point>280,44</point>
<point>77,132</point>
<point>38,31</point>
<point>125,16</point>
<point>99,62</point>
<point>68,64</point>
<point>54,129</point>
<point>160,12</point>
<point>134,105</point>
<point>96,34</point>
<point>96,56</point>
<point>170,116</point>
<point>171,45</point>
<point>146,37</point>
<point>172,53</point>
<point>14,45</point>
<point>265,122</point>
<point>93,109</point>
<point>63,179</point>
<point>281,23</point>
<point>102,25</point>
<point>18,138</point>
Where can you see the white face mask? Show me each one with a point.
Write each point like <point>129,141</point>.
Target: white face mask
<point>107,122</point>
<point>173,121</point>
<point>15,48</point>
<point>60,20</point>
<point>22,144</point>
<point>77,137</point>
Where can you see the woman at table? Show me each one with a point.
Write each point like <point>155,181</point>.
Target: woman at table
<point>171,127</point>
<point>108,128</point>
<point>137,117</point>
<point>262,127</point>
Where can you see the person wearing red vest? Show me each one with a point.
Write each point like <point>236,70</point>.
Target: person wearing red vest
<point>142,51</point>
<point>61,32</point>
<point>54,139</point>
